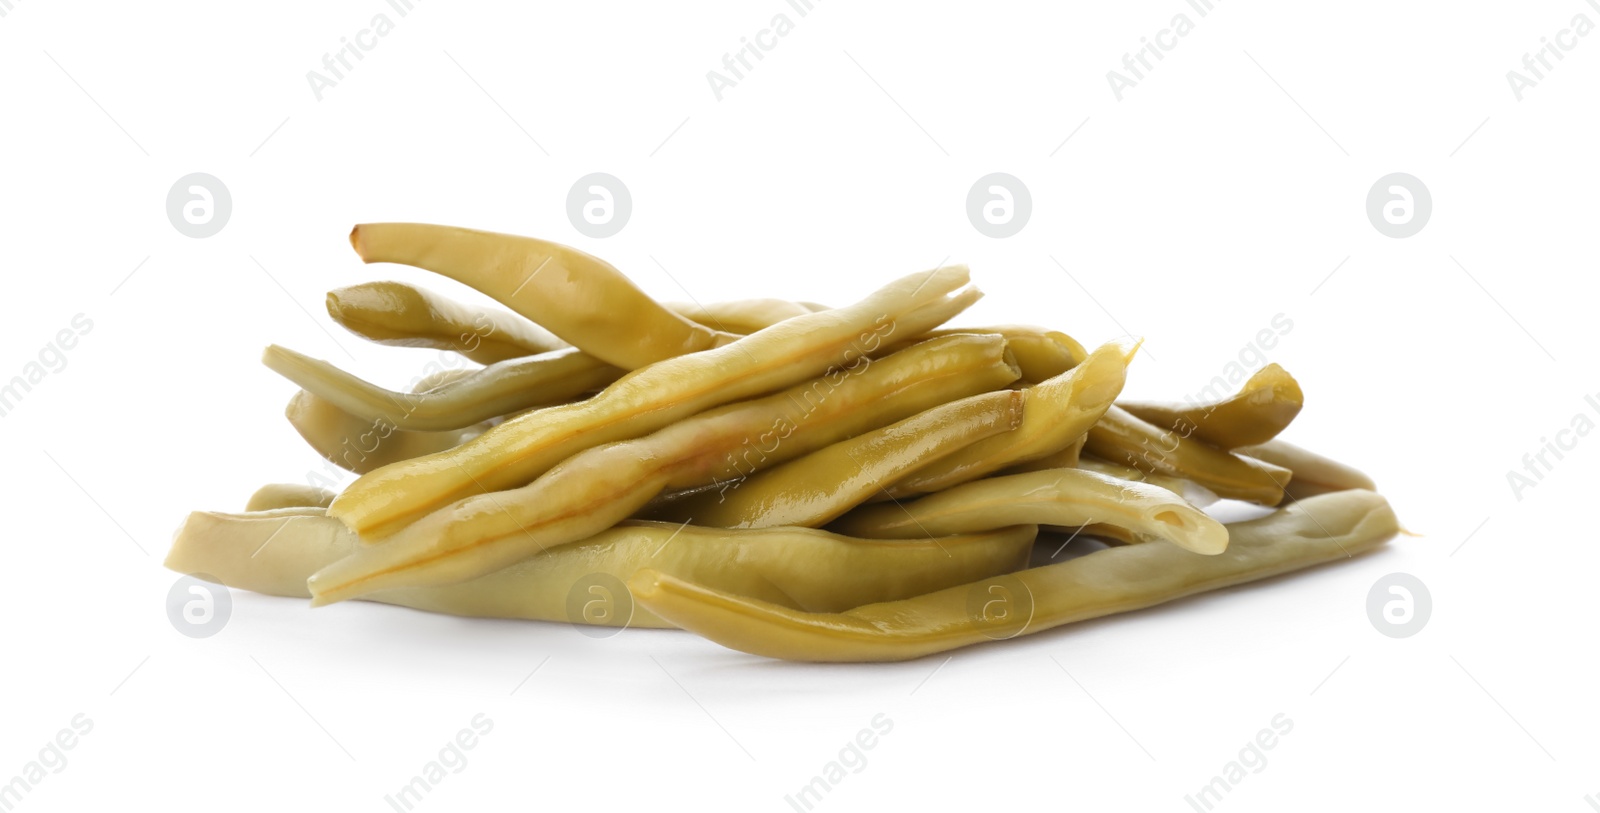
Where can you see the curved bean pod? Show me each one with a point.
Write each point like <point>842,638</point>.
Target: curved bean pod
<point>1121,438</point>
<point>838,407</point>
<point>805,569</point>
<point>515,452</point>
<point>740,316</point>
<point>1114,580</point>
<point>288,495</point>
<point>359,445</point>
<point>1062,497</point>
<point>402,315</point>
<point>1055,414</point>
<point>604,484</point>
<point>1072,458</point>
<point>439,378</point>
<point>1192,492</point>
<point>579,297</point>
<point>1261,409</point>
<point>499,389</point>
<point>813,490</point>
<point>1313,473</point>
<point>1042,354</point>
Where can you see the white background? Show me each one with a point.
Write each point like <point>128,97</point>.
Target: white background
<point>1223,189</point>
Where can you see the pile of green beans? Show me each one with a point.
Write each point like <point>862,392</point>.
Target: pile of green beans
<point>853,483</point>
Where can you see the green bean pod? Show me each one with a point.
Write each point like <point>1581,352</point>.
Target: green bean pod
<point>1261,409</point>
<point>739,316</point>
<point>814,490</point>
<point>1060,497</point>
<point>1114,580</point>
<point>1192,492</point>
<point>1042,354</point>
<point>604,484</point>
<point>402,315</point>
<point>499,389</point>
<point>519,450</point>
<point>275,552</point>
<point>1121,438</point>
<point>578,297</point>
<point>439,378</point>
<point>359,445</point>
<point>1055,414</point>
<point>1313,473</point>
<point>845,404</point>
<point>288,495</point>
